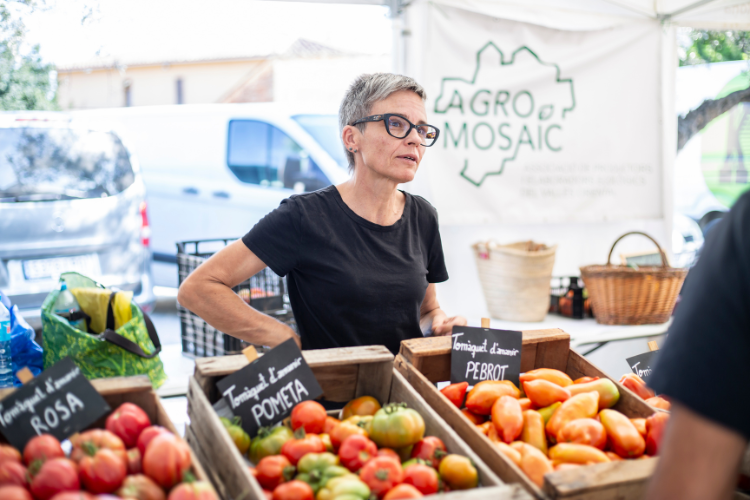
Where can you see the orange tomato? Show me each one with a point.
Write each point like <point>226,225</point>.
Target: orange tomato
<point>507,418</point>
<point>485,427</point>
<point>659,402</point>
<point>533,430</point>
<point>473,417</point>
<point>526,404</point>
<point>343,431</point>
<point>640,424</point>
<point>637,385</point>
<point>551,375</point>
<point>534,464</point>
<point>584,431</point>
<point>576,454</point>
<point>402,490</point>
<point>513,454</point>
<point>612,456</point>
<point>624,438</point>
<point>609,395</point>
<point>458,472</point>
<point>363,405</point>
<point>330,424</point>
<point>481,398</point>
<point>583,380</point>
<point>544,393</point>
<point>580,406</point>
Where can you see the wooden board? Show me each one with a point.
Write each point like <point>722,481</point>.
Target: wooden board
<point>347,373</point>
<point>625,481</point>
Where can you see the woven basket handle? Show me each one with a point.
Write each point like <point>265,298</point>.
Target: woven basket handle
<point>661,252</point>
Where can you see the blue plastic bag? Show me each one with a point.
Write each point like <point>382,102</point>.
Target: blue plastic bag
<point>23,348</point>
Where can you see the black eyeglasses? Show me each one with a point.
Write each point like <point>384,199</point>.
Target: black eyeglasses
<point>399,127</point>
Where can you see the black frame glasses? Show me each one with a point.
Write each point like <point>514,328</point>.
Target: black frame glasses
<point>384,118</point>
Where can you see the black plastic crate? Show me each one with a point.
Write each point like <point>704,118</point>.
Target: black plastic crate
<point>265,292</point>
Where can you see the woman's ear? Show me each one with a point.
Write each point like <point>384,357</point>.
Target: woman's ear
<point>350,135</point>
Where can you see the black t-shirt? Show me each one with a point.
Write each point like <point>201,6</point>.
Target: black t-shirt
<point>351,282</point>
<point>705,362</point>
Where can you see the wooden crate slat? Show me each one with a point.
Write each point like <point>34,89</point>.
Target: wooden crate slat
<point>613,480</point>
<point>374,379</point>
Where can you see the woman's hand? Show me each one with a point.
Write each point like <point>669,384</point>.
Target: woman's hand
<point>432,319</point>
<point>442,325</point>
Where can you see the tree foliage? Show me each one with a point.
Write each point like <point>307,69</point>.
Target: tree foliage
<point>700,46</point>
<point>25,81</point>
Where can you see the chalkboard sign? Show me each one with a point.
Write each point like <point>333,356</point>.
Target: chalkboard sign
<point>485,354</point>
<point>641,364</point>
<point>60,401</point>
<point>265,391</point>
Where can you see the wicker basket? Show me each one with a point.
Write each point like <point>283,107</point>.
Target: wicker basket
<point>515,279</point>
<point>622,295</point>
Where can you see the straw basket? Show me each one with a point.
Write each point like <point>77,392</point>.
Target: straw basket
<point>622,295</point>
<point>516,279</point>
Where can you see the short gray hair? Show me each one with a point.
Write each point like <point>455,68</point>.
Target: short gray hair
<point>365,91</point>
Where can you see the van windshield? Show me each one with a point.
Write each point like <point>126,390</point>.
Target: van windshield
<point>45,164</point>
<point>325,130</point>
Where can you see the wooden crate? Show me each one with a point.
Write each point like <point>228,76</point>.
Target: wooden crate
<point>424,362</point>
<point>139,391</point>
<point>343,374</point>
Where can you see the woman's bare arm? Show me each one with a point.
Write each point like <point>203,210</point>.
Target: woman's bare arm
<point>433,319</point>
<point>208,293</point>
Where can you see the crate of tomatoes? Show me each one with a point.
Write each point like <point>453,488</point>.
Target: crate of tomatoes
<point>568,431</point>
<point>134,452</point>
<point>385,443</point>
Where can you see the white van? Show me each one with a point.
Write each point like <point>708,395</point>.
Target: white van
<point>213,170</point>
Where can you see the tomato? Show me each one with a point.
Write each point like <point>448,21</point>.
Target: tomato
<point>294,449</point>
<point>402,491</point>
<point>485,427</point>
<point>507,418</point>
<point>348,486</point>
<point>579,406</point>
<point>240,438</point>
<point>613,457</point>
<point>140,487</point>
<point>455,393</point>
<point>387,452</point>
<point>42,448</point>
<point>364,421</point>
<point>396,426</point>
<point>548,411</point>
<point>363,405</point>
<point>343,431</point>
<point>609,395</point>
<point>458,472</point>
<point>326,441</point>
<point>134,462</point>
<point>655,425</point>
<point>534,464</point>
<point>431,449</point>
<point>544,393</point>
<point>196,490</point>
<point>548,374</point>
<point>526,404</point>
<point>576,453</point>
<point>640,424</point>
<point>659,402</point>
<point>55,475</point>
<point>624,438</point>
<point>584,380</point>
<point>422,477</point>
<point>127,422</point>
<point>13,473</point>
<point>7,452</point>
<point>510,452</point>
<point>274,470</point>
<point>584,431</point>
<point>103,472</point>
<point>293,490</point>
<point>474,418</point>
<point>96,439</point>
<point>75,495</point>
<point>166,460</point>
<point>269,442</point>
<point>355,451</point>
<point>381,474</point>
<point>148,434</point>
<point>481,398</point>
<point>330,424</point>
<point>533,430</point>
<point>309,415</point>
<point>637,385</point>
<point>12,492</point>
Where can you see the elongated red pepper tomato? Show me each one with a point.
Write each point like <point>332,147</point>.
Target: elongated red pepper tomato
<point>507,418</point>
<point>637,385</point>
<point>579,406</point>
<point>609,395</point>
<point>533,430</point>
<point>480,399</point>
<point>550,374</point>
<point>544,393</point>
<point>455,393</point>
<point>655,425</point>
<point>624,438</point>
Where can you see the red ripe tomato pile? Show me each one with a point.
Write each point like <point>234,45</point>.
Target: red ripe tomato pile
<point>129,459</point>
<point>372,452</point>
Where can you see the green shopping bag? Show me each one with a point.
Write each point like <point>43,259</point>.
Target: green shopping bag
<point>131,349</point>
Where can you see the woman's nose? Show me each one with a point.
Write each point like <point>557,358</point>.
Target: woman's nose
<point>414,137</point>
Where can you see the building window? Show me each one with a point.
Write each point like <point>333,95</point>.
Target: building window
<point>180,95</point>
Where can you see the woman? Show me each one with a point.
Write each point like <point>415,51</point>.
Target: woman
<point>361,258</point>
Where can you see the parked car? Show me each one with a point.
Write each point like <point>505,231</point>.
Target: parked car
<point>213,170</point>
<point>71,199</point>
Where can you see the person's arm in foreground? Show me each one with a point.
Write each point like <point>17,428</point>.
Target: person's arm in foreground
<point>433,319</point>
<point>208,293</point>
<point>698,459</point>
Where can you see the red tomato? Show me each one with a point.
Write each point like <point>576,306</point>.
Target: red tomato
<point>7,452</point>
<point>134,461</point>
<point>294,449</point>
<point>103,472</point>
<point>402,491</point>
<point>422,477</point>
<point>55,476</point>
<point>42,448</point>
<point>355,451</point>
<point>197,490</point>
<point>293,490</point>
<point>127,422</point>
<point>74,495</point>
<point>310,415</point>
<point>387,452</point>
<point>330,424</point>
<point>274,470</point>
<point>455,393</point>
<point>96,439</point>
<point>13,473</point>
<point>140,487</point>
<point>381,474</point>
<point>11,492</point>
<point>147,435</point>
<point>431,449</point>
<point>166,460</point>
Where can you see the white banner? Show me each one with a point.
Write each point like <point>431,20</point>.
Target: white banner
<point>541,125</point>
